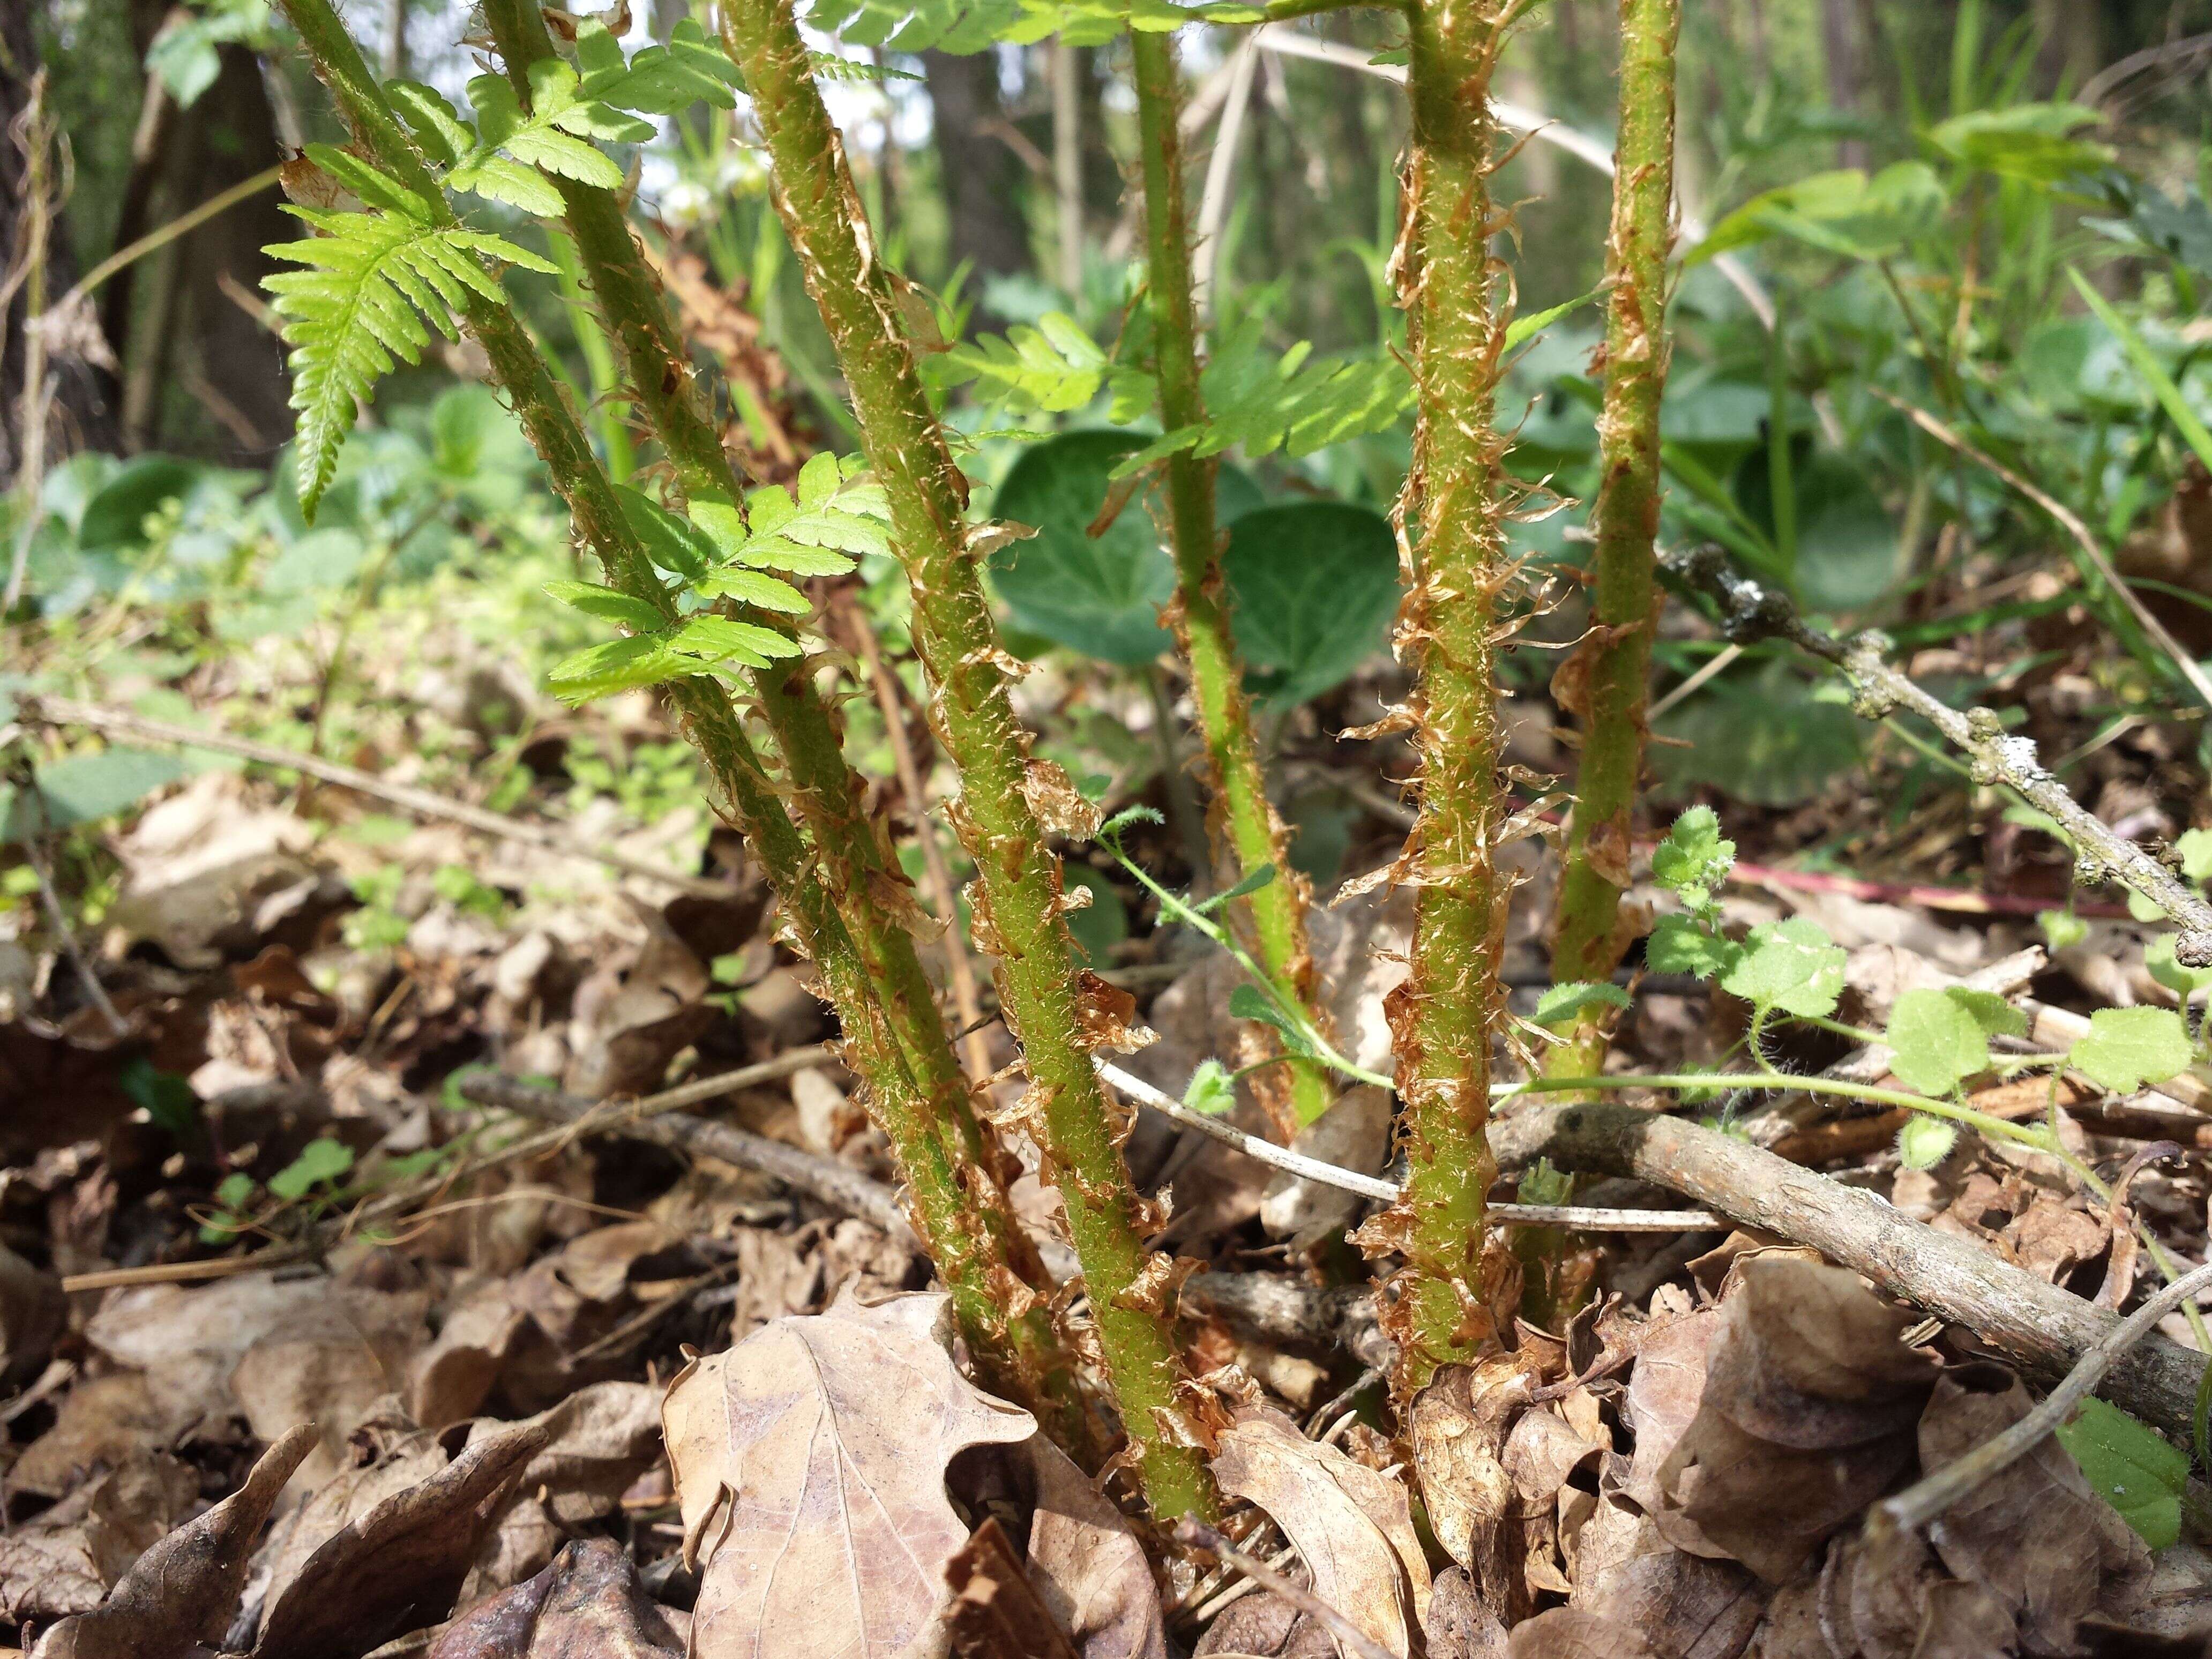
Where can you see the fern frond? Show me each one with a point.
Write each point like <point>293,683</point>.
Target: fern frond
<point>371,282</point>
<point>1050,368</point>
<point>552,139</point>
<point>659,80</point>
<point>1297,402</point>
<point>968,26</point>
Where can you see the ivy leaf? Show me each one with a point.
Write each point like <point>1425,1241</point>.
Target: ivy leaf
<point>319,1161</point>
<point>1210,1090</point>
<point>1940,1038</point>
<point>1792,965</point>
<point>594,600</point>
<point>1926,1141</point>
<point>2125,1048</point>
<point>1695,858</point>
<point>1679,945</point>
<point>1250,1002</point>
<point>2134,1468</point>
<point>1561,1003</point>
<point>1314,585</point>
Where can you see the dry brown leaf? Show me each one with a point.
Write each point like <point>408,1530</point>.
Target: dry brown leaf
<point>1352,1527</point>
<point>1663,1391</point>
<point>2035,1536</point>
<point>1803,1419</point>
<point>32,1314</point>
<point>1088,1564</point>
<point>181,1592</point>
<point>1458,1427</point>
<point>995,1612</point>
<point>66,1558</point>
<point>1460,1626</point>
<point>1265,1625</point>
<point>398,1567</point>
<point>810,1467</point>
<point>1684,1606</point>
<point>586,1604</point>
<point>1570,1633</point>
<point>101,1423</point>
<point>598,1442</point>
<point>189,1342</point>
<point>635,1015</point>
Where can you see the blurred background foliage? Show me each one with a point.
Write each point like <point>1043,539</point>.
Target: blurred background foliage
<point>1990,211</point>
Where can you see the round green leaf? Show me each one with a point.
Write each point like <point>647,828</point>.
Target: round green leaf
<point>1925,1142</point>
<point>1791,965</point>
<point>1314,585</point>
<point>116,516</point>
<point>1100,595</point>
<point>1940,1038</point>
<point>2125,1048</point>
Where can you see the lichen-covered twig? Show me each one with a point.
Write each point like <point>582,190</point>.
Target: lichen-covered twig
<point>979,1281</point>
<point>1005,795</point>
<point>1244,816</point>
<point>852,861</point>
<point>1750,611</point>
<point>1452,535</point>
<point>1932,1494</point>
<point>1607,680</point>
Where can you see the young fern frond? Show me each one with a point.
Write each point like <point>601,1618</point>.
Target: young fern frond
<point>371,281</point>
<point>1051,368</point>
<point>968,26</point>
<point>1297,402</point>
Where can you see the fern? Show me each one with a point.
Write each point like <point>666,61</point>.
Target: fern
<point>1297,402</point>
<point>715,553</point>
<point>371,281</point>
<point>968,26</point>
<point>513,148</point>
<point>659,80</point>
<point>1050,368</point>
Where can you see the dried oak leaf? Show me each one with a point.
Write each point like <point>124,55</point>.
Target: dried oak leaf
<point>597,1441</point>
<point>810,1466</point>
<point>586,1604</point>
<point>1805,1417</point>
<point>1460,1626</point>
<point>1570,1633</point>
<point>1352,1527</point>
<point>1663,1391</point>
<point>1686,1605</point>
<point>181,1592</point>
<point>66,1559</point>
<point>1458,1426</point>
<point>995,1612</point>
<point>2035,1536</point>
<point>400,1566</point>
<point>1088,1564</point>
<point>99,1425</point>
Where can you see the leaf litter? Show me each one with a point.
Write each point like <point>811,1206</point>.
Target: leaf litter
<point>601,1400</point>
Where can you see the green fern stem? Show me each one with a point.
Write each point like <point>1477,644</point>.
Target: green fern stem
<point>1017,899</point>
<point>1242,815</point>
<point>977,1280</point>
<point>1607,678</point>
<point>1453,535</point>
<point>1020,1351</point>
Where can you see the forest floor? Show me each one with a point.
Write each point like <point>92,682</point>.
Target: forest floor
<point>245,1188</point>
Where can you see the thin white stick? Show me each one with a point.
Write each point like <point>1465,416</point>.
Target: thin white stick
<point>1929,1498</point>
<point>1717,663</point>
<point>1580,1217</point>
<point>1220,173</point>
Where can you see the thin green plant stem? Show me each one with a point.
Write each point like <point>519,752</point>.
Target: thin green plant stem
<point>1243,817</point>
<point>704,710</point>
<point>1452,532</point>
<point>1609,677</point>
<point>1017,897</point>
<point>1020,1350</point>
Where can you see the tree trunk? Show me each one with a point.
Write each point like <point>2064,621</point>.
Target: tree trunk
<point>983,177</point>
<point>1845,47</point>
<point>82,414</point>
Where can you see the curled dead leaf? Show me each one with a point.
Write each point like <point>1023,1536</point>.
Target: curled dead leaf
<point>1088,1563</point>
<point>810,1466</point>
<point>586,1604</point>
<point>181,1592</point>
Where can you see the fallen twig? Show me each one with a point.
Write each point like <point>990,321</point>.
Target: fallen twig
<point>120,722</point>
<point>656,1119</point>
<point>1931,1495</point>
<point>2042,1328</point>
<point>1751,612</point>
<point>1194,1534</point>
<point>1583,1217</point>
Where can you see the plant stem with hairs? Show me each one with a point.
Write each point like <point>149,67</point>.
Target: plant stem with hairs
<point>976,1277</point>
<point>1244,816</point>
<point>852,859</point>
<point>1607,680</point>
<point>1017,897</point>
<point>1452,530</point>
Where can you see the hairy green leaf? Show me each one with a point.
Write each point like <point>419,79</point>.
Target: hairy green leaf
<point>1792,965</point>
<point>2125,1048</point>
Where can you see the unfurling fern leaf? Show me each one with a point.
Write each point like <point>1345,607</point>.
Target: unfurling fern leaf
<point>371,282</point>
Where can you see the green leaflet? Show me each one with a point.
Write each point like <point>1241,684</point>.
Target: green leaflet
<point>371,281</point>
<point>2125,1048</point>
<point>2132,1466</point>
<point>659,80</point>
<point>1791,965</point>
<point>511,148</point>
<point>1938,1039</point>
